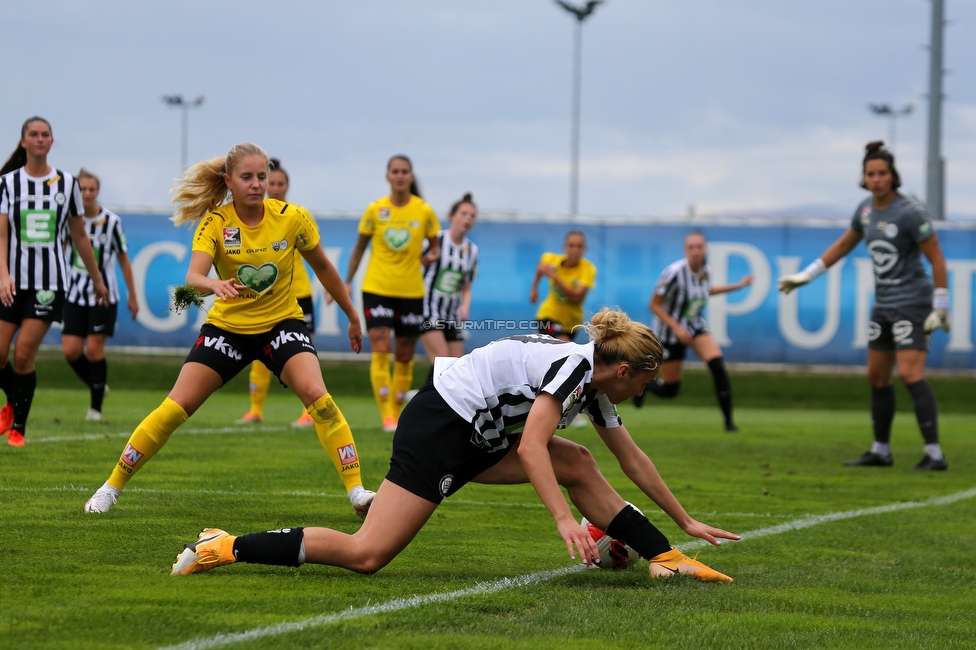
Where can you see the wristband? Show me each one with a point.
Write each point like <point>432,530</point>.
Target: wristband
<point>817,267</point>
<point>940,298</point>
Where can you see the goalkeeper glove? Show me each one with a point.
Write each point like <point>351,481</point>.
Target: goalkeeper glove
<point>940,311</point>
<point>788,283</point>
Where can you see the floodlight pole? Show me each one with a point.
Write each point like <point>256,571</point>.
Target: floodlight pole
<point>184,106</point>
<point>935,163</point>
<point>885,110</point>
<point>580,13</point>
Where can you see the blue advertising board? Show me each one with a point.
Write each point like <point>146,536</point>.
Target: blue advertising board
<point>825,322</point>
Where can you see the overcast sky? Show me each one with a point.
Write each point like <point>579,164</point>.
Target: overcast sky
<point>733,107</point>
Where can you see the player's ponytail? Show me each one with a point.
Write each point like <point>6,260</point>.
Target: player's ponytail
<point>877,151</point>
<point>202,187</point>
<point>617,338</point>
<point>19,156</point>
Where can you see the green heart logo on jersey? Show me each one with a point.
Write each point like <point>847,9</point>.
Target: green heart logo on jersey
<point>260,278</point>
<point>396,238</point>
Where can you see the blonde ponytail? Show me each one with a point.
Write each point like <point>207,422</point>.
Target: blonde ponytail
<point>202,187</point>
<point>618,338</point>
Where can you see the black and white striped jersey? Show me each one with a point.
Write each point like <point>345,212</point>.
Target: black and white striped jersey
<point>107,240</point>
<point>444,278</point>
<point>685,297</point>
<point>37,212</point>
<point>494,387</point>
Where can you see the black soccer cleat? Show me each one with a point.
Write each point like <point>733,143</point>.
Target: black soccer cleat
<point>871,459</point>
<point>929,463</point>
<point>731,428</point>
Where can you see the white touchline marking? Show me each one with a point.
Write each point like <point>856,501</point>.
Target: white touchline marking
<point>394,605</point>
<point>397,604</point>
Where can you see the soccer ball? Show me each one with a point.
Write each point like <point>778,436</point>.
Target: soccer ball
<point>614,554</point>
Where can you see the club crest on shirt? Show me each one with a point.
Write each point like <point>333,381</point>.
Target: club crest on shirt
<point>59,198</point>
<point>891,231</point>
<point>279,245</point>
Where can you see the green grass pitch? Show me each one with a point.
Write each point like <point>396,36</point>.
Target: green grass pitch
<point>877,577</point>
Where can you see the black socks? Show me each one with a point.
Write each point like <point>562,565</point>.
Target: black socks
<point>662,389</point>
<point>882,412</point>
<point>282,547</point>
<point>926,411</point>
<point>97,371</point>
<point>723,389</point>
<point>21,397</point>
<point>632,528</point>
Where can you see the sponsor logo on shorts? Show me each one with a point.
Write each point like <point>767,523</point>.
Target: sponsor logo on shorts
<point>874,331</point>
<point>445,484</point>
<point>131,455</point>
<point>347,454</point>
<point>379,311</point>
<point>412,319</point>
<point>221,345</point>
<point>288,337</point>
<point>44,299</point>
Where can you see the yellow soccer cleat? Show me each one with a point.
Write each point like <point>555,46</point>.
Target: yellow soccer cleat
<point>212,549</point>
<point>674,562</point>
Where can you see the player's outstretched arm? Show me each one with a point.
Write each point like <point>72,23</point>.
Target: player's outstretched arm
<point>844,245</point>
<point>639,469</point>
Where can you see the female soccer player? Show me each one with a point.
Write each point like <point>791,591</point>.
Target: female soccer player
<point>570,278</point>
<point>677,304</point>
<point>260,377</point>
<point>85,321</point>
<point>248,241</point>
<point>906,309</point>
<point>447,300</point>
<point>40,205</point>
<point>393,289</point>
<point>490,417</point>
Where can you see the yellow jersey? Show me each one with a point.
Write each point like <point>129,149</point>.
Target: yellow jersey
<point>302,284</point>
<point>556,306</point>
<point>260,257</point>
<point>397,236</point>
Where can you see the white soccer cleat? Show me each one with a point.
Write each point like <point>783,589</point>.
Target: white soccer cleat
<point>94,416</point>
<point>103,499</point>
<point>361,500</point>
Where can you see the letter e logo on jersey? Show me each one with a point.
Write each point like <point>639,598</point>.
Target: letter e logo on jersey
<point>347,454</point>
<point>131,455</point>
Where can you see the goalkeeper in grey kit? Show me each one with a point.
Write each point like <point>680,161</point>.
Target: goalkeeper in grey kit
<point>907,309</point>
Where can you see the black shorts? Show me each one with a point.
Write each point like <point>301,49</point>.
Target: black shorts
<point>432,452</point>
<point>899,328</point>
<point>678,351</point>
<point>404,315</point>
<point>449,327</point>
<point>228,353</point>
<point>308,308</point>
<point>82,321</point>
<point>40,305</point>
<point>555,330</point>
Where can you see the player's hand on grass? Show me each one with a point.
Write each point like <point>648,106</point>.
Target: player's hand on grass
<point>708,533</point>
<point>939,318</point>
<point>576,536</point>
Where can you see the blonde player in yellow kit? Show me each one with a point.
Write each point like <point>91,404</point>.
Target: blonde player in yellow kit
<point>571,276</point>
<point>260,377</point>
<point>248,242</point>
<point>393,290</point>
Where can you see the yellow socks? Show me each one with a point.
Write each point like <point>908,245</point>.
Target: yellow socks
<point>336,437</point>
<point>260,379</point>
<point>402,379</point>
<point>379,377</point>
<point>148,438</point>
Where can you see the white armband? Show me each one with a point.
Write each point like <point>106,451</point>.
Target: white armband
<point>817,267</point>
